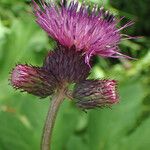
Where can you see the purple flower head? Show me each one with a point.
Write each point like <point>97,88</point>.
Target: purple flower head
<point>93,32</point>
<point>96,93</point>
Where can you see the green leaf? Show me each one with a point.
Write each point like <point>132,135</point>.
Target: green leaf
<point>107,128</point>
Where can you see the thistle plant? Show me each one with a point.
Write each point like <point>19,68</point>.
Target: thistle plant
<point>81,32</point>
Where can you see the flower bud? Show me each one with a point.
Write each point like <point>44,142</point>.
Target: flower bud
<point>33,80</point>
<point>95,93</point>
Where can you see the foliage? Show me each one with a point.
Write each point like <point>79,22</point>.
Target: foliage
<point>125,126</point>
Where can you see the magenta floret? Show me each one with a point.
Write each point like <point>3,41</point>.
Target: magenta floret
<point>94,32</point>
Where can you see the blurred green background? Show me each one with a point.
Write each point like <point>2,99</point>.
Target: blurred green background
<point>125,126</point>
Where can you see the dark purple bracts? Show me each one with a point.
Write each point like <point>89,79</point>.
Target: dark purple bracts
<point>67,65</point>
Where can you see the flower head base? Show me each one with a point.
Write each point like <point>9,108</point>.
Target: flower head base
<point>93,33</point>
<point>33,80</point>
<point>67,65</point>
<point>96,93</point>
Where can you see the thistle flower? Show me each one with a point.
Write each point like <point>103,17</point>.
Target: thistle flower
<point>93,32</point>
<point>80,32</point>
<point>95,93</point>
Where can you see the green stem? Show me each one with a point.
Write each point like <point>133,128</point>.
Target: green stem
<point>50,120</point>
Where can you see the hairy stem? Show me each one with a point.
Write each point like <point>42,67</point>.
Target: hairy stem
<point>50,120</point>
